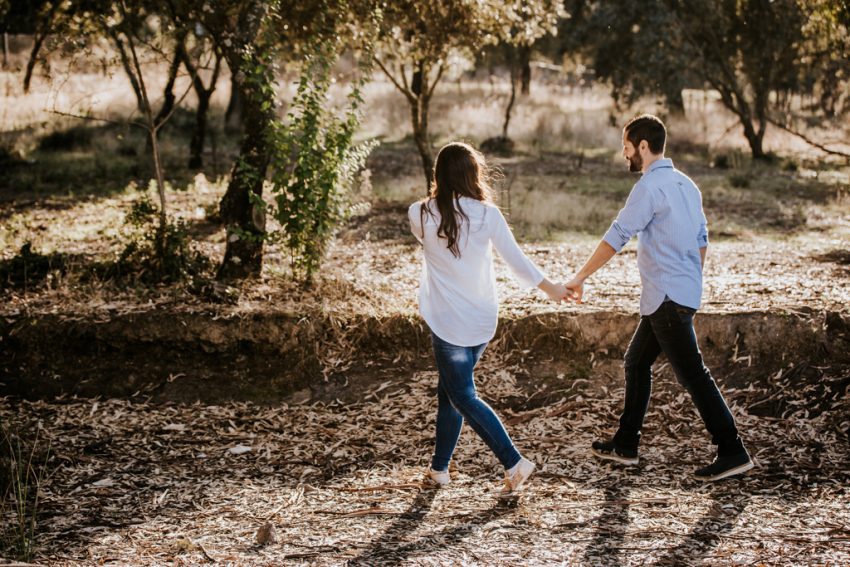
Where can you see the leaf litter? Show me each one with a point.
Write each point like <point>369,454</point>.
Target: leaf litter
<point>327,483</point>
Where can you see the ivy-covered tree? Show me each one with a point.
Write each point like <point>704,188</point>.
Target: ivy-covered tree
<point>253,36</point>
<point>239,29</point>
<point>418,37</point>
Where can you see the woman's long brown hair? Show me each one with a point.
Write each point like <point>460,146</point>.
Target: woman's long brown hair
<point>460,171</point>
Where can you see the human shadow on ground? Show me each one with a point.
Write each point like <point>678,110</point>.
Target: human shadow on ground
<point>389,549</point>
<point>610,527</point>
<point>728,501</point>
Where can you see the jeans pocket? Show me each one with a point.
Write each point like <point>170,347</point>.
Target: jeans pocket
<point>682,310</point>
<point>685,314</point>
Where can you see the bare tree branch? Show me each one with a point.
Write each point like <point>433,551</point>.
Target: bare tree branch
<point>97,118</point>
<point>808,140</point>
<point>440,70</point>
<point>403,89</point>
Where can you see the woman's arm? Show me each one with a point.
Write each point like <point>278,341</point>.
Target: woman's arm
<point>523,268</point>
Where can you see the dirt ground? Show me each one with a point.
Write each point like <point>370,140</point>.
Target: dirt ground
<point>341,482</point>
<point>133,483</point>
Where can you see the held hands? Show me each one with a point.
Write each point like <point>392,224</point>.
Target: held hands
<point>575,289</point>
<point>559,292</point>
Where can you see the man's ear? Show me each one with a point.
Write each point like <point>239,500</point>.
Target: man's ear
<point>643,146</point>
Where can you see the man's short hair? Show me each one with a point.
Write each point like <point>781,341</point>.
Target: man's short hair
<point>647,127</point>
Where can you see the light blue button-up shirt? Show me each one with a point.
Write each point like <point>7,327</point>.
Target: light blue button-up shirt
<point>665,210</point>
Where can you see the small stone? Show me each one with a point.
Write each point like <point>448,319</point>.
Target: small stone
<point>301,396</point>
<point>266,534</point>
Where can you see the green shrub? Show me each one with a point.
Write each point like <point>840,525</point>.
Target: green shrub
<point>315,163</point>
<point>157,253</point>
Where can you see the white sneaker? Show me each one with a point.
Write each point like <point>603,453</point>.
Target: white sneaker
<point>440,478</point>
<point>521,472</point>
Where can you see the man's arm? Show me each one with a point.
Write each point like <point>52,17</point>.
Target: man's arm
<point>702,252</point>
<point>603,253</point>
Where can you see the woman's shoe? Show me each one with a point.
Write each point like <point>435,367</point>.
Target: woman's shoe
<point>440,478</point>
<point>518,476</point>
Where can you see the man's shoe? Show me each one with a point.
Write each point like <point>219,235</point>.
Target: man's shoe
<point>440,478</point>
<point>609,450</point>
<point>521,472</point>
<point>724,467</point>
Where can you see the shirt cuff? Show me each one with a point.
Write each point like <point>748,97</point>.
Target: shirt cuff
<point>615,238</point>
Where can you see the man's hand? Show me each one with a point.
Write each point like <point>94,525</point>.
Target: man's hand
<point>575,289</point>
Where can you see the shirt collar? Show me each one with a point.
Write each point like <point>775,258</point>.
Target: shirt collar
<point>658,164</point>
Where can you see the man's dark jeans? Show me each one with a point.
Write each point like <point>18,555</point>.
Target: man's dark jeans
<point>671,330</point>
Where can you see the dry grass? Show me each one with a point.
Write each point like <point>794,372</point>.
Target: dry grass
<point>563,186</point>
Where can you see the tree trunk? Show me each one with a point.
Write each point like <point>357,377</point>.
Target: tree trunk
<point>5,50</point>
<point>245,223</point>
<point>419,121</point>
<point>128,69</point>
<point>755,140</point>
<point>233,114</point>
<point>676,103</point>
<point>420,136</point>
<point>39,41</point>
<point>40,35</point>
<point>525,64</point>
<point>510,104</point>
<point>196,146</point>
<point>168,98</point>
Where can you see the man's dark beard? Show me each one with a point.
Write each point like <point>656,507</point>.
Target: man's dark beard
<point>635,163</point>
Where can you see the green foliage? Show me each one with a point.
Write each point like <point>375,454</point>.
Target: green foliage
<point>157,252</point>
<point>315,162</point>
<point>23,469</point>
<point>634,46</point>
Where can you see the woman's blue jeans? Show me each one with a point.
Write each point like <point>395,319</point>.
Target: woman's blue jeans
<point>458,401</point>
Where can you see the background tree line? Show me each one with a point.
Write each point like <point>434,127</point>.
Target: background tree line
<point>760,56</point>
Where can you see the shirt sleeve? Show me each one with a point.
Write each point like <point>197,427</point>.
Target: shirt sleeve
<point>414,216</point>
<point>702,236</point>
<point>632,218</point>
<point>503,240</point>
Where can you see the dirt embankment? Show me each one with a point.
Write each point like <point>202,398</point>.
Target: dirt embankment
<point>265,357</point>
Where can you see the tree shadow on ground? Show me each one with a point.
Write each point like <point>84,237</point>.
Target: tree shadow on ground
<point>390,549</point>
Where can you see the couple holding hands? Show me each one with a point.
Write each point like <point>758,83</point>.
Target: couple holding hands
<point>458,223</point>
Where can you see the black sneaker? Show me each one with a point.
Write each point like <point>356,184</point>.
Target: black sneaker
<point>724,467</point>
<point>609,450</point>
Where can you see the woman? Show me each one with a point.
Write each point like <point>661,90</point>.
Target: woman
<point>457,225</point>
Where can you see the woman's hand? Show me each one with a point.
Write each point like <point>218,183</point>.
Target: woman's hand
<point>556,292</point>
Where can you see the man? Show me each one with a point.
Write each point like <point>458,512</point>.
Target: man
<point>664,209</point>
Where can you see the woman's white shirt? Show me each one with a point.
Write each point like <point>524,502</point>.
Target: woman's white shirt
<point>457,296</point>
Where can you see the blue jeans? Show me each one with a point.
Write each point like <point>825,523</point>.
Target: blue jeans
<point>671,330</point>
<point>458,401</point>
